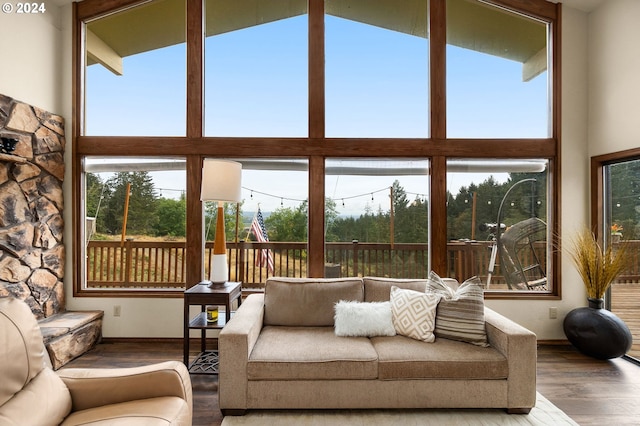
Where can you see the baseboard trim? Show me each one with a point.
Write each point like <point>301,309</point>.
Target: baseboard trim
<point>141,339</point>
<point>194,342</point>
<point>554,342</point>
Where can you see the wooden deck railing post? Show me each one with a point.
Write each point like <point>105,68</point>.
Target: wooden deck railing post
<point>469,261</point>
<point>126,255</point>
<point>354,245</point>
<point>241,259</point>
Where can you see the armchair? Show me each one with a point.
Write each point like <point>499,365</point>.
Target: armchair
<point>32,393</point>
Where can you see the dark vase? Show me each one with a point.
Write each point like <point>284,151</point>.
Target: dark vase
<point>597,332</point>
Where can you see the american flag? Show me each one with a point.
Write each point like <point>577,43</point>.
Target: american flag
<point>259,230</point>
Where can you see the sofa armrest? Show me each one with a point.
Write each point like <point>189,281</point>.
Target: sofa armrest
<point>95,387</point>
<point>235,343</point>
<point>519,346</point>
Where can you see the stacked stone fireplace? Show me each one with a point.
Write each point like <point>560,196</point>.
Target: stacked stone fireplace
<point>31,226</point>
<point>32,253</point>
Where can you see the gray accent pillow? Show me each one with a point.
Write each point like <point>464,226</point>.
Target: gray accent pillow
<point>460,313</point>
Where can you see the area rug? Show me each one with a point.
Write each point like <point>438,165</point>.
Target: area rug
<point>543,414</point>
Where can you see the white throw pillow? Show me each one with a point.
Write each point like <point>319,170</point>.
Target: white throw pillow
<point>363,319</point>
<point>414,313</point>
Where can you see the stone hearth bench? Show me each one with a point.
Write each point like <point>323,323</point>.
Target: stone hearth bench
<point>69,334</point>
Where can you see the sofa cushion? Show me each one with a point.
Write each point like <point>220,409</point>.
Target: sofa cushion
<point>378,289</point>
<point>460,313</point>
<point>160,411</point>
<point>363,319</point>
<point>400,357</point>
<point>310,353</point>
<point>307,301</point>
<point>44,401</point>
<point>414,313</point>
<point>20,342</point>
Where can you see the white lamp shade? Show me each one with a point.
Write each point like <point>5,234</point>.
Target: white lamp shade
<point>221,181</point>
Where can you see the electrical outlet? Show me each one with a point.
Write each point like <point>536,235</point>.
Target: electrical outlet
<point>553,313</point>
<point>117,309</point>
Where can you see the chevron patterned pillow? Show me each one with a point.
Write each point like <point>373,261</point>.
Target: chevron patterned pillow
<point>413,313</point>
<point>460,313</point>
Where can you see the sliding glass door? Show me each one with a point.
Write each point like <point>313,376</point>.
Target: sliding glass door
<point>621,214</point>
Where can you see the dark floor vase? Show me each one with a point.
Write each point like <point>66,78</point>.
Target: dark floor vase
<point>597,332</point>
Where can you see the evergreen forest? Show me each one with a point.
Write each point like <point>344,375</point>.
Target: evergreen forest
<point>472,212</point>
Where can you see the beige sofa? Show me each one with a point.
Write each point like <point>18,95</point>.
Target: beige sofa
<point>280,351</point>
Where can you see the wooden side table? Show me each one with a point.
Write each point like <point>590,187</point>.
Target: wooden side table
<point>202,294</point>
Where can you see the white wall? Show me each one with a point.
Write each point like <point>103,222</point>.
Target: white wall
<point>614,77</point>
<point>163,317</point>
<point>30,47</point>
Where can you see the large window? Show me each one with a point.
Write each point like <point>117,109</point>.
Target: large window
<point>497,216</point>
<point>135,77</point>
<point>377,62</point>
<point>135,224</point>
<point>256,68</point>
<point>497,73</point>
<point>275,190</point>
<point>341,113</point>
<point>377,217</point>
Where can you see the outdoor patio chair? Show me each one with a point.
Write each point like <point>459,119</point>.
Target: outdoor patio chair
<point>519,261</point>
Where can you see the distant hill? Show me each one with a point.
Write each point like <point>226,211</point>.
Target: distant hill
<point>247,217</point>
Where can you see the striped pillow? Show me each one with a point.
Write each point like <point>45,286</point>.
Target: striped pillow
<point>460,313</point>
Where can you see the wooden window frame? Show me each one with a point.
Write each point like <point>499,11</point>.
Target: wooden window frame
<point>316,147</point>
<point>598,163</point>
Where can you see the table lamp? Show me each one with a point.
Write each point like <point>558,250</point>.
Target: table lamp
<point>221,182</point>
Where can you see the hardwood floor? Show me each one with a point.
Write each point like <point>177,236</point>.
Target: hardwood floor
<point>590,391</point>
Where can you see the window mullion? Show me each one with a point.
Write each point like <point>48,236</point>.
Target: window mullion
<point>195,68</point>
<point>438,106</point>
<point>437,59</point>
<point>316,70</point>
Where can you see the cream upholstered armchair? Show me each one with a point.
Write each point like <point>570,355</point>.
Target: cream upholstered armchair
<point>31,393</point>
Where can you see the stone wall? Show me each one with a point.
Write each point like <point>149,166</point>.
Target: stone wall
<point>31,203</point>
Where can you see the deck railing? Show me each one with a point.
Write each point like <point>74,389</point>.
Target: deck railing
<point>142,264</point>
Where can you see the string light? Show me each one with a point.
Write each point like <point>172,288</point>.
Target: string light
<point>270,195</point>
<point>366,194</point>
<point>162,190</point>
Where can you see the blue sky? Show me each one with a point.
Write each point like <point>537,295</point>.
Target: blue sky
<point>376,86</point>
